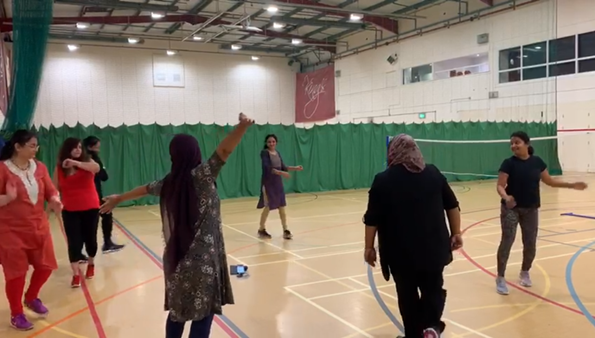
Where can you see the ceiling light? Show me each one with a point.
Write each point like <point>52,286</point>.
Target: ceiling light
<point>537,47</point>
<point>171,52</point>
<point>236,47</point>
<point>197,38</point>
<point>272,9</point>
<point>356,17</point>
<point>156,15</point>
<point>133,40</point>
<point>477,55</point>
<point>255,58</point>
<point>82,25</point>
<point>296,41</point>
<point>278,25</point>
<point>72,48</point>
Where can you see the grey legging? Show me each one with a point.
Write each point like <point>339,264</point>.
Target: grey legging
<point>528,218</point>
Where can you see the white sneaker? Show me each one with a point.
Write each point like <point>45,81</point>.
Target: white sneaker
<point>431,333</point>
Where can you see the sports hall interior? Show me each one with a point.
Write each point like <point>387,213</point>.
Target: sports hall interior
<point>332,79</point>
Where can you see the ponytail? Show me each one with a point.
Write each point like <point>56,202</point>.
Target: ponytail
<point>531,150</point>
<point>7,151</point>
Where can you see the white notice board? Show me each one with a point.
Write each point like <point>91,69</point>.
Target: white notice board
<point>168,71</point>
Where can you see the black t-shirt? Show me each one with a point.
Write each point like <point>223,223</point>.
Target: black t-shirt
<point>523,180</point>
<point>408,209</point>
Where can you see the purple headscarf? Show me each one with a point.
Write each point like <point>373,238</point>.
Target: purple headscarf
<point>403,150</point>
<point>179,198</point>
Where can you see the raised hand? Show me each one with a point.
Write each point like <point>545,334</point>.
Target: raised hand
<point>245,120</point>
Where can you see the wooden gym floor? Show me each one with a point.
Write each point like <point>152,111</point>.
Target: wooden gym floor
<point>317,285</point>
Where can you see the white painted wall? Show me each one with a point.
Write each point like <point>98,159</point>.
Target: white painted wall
<point>370,89</point>
<point>114,86</point>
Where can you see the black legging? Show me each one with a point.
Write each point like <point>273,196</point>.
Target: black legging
<point>198,329</point>
<point>81,229</point>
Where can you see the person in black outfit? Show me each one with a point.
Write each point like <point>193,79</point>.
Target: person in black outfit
<point>406,205</point>
<point>518,186</point>
<point>92,145</point>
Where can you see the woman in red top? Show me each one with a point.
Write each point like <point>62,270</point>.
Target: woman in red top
<point>75,175</point>
<point>25,237</point>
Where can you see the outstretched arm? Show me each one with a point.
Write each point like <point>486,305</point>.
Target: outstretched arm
<point>230,142</point>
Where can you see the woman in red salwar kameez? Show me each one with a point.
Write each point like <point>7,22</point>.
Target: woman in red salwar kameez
<point>25,238</point>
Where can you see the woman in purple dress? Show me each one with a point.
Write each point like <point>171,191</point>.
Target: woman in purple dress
<point>272,195</point>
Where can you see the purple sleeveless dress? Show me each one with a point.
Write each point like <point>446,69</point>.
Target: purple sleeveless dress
<point>271,184</point>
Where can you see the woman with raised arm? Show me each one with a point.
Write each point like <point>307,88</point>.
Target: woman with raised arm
<point>75,174</point>
<point>197,283</point>
<point>272,195</point>
<point>25,238</point>
<point>518,186</point>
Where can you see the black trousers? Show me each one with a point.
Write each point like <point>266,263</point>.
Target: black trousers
<point>421,299</point>
<point>107,225</point>
<point>198,329</point>
<point>81,230</point>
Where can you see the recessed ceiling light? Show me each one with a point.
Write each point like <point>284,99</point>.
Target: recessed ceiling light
<point>82,25</point>
<point>296,41</point>
<point>156,15</point>
<point>72,48</point>
<point>538,47</point>
<point>236,47</point>
<point>356,17</point>
<point>197,38</point>
<point>272,9</point>
<point>278,25</point>
<point>133,40</point>
<point>171,52</point>
<point>477,55</point>
<point>255,58</point>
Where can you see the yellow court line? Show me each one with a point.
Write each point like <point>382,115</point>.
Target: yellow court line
<point>497,306</point>
<point>355,334</point>
<point>535,304</point>
<point>55,328</point>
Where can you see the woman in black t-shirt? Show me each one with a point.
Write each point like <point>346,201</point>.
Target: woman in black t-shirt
<point>518,185</point>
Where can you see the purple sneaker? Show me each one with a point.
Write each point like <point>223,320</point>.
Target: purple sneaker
<point>21,323</point>
<point>37,306</point>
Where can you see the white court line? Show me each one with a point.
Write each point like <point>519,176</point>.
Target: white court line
<point>339,294</point>
<point>443,318</point>
<point>540,227</point>
<point>304,249</point>
<point>329,313</point>
<point>259,240</point>
<point>153,213</point>
<point>307,217</point>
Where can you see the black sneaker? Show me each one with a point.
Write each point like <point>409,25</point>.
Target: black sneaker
<point>287,234</point>
<point>264,234</point>
<point>111,247</point>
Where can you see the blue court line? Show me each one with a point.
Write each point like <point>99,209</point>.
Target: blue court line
<point>381,302</point>
<point>224,318</point>
<point>551,231</point>
<point>577,215</point>
<point>568,232</point>
<point>570,285</point>
<point>562,243</point>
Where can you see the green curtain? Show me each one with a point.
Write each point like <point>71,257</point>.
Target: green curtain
<point>335,157</point>
<point>31,24</point>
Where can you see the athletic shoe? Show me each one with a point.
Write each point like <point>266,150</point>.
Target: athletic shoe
<point>525,279</point>
<point>21,323</point>
<point>90,271</point>
<point>501,286</point>
<point>111,247</point>
<point>287,234</point>
<point>37,306</point>
<point>431,333</point>
<point>76,282</point>
<point>264,234</point>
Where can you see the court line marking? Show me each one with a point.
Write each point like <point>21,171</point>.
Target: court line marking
<point>57,329</point>
<point>369,329</point>
<point>222,321</point>
<point>485,270</point>
<point>570,283</point>
<point>533,306</point>
<point>261,241</point>
<point>329,313</point>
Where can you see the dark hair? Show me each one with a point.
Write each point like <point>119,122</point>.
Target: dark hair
<point>267,138</point>
<point>67,146</point>
<point>525,138</point>
<point>90,141</point>
<point>20,137</point>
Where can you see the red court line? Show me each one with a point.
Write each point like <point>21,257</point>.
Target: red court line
<point>520,288</point>
<point>575,130</point>
<point>89,300</point>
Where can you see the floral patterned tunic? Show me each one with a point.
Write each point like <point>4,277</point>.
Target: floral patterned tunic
<point>200,284</point>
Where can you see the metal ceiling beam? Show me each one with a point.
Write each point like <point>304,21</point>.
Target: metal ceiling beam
<point>488,2</point>
<point>258,49</point>
<point>317,23</point>
<point>415,6</point>
<point>119,4</point>
<point>194,10</point>
<point>77,37</point>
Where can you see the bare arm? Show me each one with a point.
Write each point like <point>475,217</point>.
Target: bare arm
<point>133,194</point>
<point>90,166</point>
<point>554,183</point>
<point>230,142</point>
<point>454,220</point>
<point>370,236</point>
<point>501,185</point>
